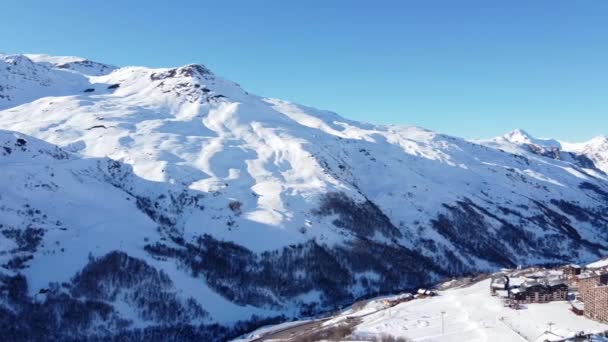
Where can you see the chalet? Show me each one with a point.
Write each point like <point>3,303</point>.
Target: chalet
<point>534,291</point>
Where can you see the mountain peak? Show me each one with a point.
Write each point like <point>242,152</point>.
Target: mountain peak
<point>190,70</point>
<point>597,149</point>
<point>195,69</point>
<point>520,136</point>
<point>600,140</point>
<point>52,60</point>
<point>15,59</point>
<point>78,64</point>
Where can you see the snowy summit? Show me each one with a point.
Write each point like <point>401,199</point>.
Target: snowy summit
<point>172,202</point>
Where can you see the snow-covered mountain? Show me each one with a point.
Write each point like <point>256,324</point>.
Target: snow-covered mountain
<point>595,149</point>
<point>589,155</point>
<point>171,202</point>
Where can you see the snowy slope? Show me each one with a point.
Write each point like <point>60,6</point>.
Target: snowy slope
<point>62,214</point>
<point>302,210</point>
<point>467,312</point>
<point>592,154</point>
<point>595,149</point>
<point>77,64</point>
<point>472,314</point>
<point>22,81</point>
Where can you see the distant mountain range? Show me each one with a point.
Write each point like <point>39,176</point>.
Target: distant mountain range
<point>141,204</point>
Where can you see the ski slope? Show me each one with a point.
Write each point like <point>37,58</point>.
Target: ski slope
<point>472,314</point>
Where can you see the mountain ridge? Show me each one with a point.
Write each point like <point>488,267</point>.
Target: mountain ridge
<point>258,206</point>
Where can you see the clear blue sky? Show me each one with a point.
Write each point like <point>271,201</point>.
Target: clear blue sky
<point>470,68</point>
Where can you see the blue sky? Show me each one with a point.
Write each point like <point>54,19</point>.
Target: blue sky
<point>469,68</point>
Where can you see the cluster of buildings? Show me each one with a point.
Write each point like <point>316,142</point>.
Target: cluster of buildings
<point>529,286</point>
<point>591,285</point>
<point>586,288</point>
<point>423,293</point>
<point>406,297</point>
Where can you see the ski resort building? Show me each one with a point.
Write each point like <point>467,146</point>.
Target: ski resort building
<point>546,285</point>
<point>532,289</point>
<point>588,281</point>
<point>593,292</point>
<point>596,303</point>
<point>536,292</point>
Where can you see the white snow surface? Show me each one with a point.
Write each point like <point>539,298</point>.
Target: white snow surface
<point>469,313</point>
<point>472,314</point>
<point>53,60</point>
<point>595,149</point>
<point>186,129</point>
<point>86,210</point>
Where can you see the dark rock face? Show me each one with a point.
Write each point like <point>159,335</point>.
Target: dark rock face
<point>556,153</point>
<point>192,70</point>
<point>548,152</point>
<point>186,83</point>
<point>584,161</point>
<point>88,67</point>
